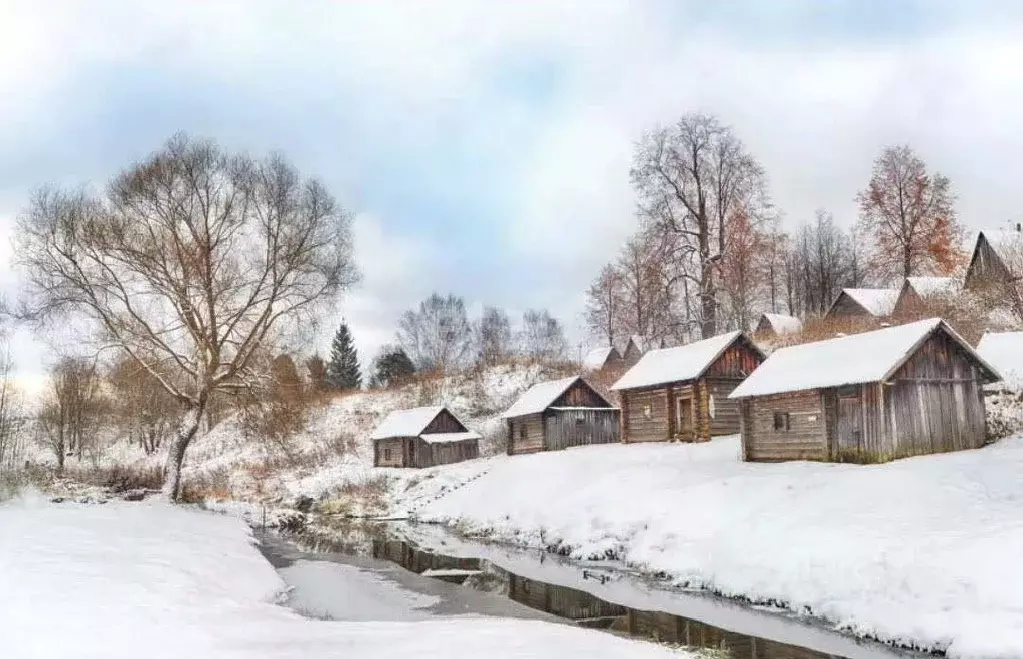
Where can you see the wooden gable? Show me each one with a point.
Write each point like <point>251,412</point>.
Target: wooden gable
<point>444,422</point>
<point>737,361</point>
<point>581,394</point>
<point>846,307</point>
<point>986,267</point>
<point>942,358</point>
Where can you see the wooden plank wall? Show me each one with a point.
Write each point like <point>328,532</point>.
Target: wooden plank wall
<point>806,438</point>
<point>397,448</point>
<point>726,411</point>
<point>444,423</point>
<point>580,395</point>
<point>580,427</point>
<point>637,425</point>
<point>533,440</point>
<point>449,452</point>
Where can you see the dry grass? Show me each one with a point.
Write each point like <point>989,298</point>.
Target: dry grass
<point>118,478</point>
<point>214,485</point>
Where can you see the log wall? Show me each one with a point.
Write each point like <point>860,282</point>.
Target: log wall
<point>525,434</point>
<point>645,416</point>
<point>805,439</point>
<point>396,447</point>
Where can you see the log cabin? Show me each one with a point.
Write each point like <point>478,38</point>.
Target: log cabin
<point>423,437</point>
<point>920,294</point>
<point>774,325</point>
<point>560,414</point>
<point>681,394</point>
<point>862,304</point>
<point>907,390</point>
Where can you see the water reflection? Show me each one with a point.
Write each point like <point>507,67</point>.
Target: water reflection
<point>578,606</point>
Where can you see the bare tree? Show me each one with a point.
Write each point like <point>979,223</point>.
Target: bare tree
<point>647,282</point>
<point>542,337</point>
<point>436,335</point>
<point>741,271</point>
<point>493,336</point>
<point>604,304</point>
<point>910,214</point>
<point>691,178</point>
<point>73,407</point>
<point>192,262</point>
<point>147,411</point>
<point>11,414</point>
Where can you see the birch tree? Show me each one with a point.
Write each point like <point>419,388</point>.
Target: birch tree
<point>191,263</point>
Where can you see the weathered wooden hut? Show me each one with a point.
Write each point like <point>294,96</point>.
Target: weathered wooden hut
<point>681,394</point>
<point>920,294</point>
<point>997,260</point>
<point>423,437</point>
<point>872,397</point>
<point>862,304</point>
<point>559,414</point>
<point>772,325</point>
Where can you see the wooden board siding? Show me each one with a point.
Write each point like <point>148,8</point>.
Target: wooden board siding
<point>533,440</point>
<point>936,401</point>
<point>580,394</point>
<point>725,420</point>
<point>396,446</point>
<point>806,438</point>
<point>559,600</point>
<point>645,416</point>
<point>444,423</point>
<point>433,455</point>
<point>738,361</point>
<point>580,427</point>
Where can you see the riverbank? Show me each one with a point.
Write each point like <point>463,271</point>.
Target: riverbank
<point>921,553</point>
<point>123,580</point>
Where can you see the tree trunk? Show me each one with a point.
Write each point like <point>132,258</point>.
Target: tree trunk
<point>176,451</point>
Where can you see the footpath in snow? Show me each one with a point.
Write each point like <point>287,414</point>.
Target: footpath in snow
<point>921,552</point>
<point>150,580</point>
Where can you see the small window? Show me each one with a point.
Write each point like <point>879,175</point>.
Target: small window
<point>646,411</point>
<point>781,421</point>
<point>387,454</point>
<point>523,435</point>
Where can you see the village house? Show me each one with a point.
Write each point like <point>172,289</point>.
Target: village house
<point>919,295</point>
<point>995,272</point>
<point>423,437</point>
<point>559,414</point>
<point>681,394</point>
<point>775,325</point>
<point>900,391</point>
<point>862,304</point>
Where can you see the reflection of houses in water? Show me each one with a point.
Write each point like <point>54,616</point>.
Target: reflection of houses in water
<point>448,568</point>
<point>563,602</point>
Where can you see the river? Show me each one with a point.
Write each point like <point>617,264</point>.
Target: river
<point>399,571</point>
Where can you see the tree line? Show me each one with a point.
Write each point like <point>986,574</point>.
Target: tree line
<point>711,251</point>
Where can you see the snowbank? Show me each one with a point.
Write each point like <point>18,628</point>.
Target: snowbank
<point>146,580</point>
<point>920,552</point>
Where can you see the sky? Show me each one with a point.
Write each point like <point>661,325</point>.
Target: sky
<point>484,147</point>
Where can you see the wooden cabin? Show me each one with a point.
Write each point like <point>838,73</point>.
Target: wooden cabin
<point>918,295</point>
<point>774,325</point>
<point>681,394</point>
<point>560,414</point>
<point>900,391</point>
<point>855,304</point>
<point>423,437</point>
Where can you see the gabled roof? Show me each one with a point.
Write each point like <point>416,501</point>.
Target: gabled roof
<point>934,286</point>
<point>878,302</point>
<point>1004,351</point>
<point>634,342</point>
<point>686,362</point>
<point>1006,243</point>
<point>782,324</point>
<point>540,396</point>
<point>596,358</point>
<point>857,359</point>
<point>406,423</point>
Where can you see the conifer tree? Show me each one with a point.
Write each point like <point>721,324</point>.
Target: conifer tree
<point>343,368</point>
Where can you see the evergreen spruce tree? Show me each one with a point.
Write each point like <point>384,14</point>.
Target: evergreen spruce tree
<point>343,368</point>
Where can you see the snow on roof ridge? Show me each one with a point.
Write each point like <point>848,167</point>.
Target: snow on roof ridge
<point>675,364</point>
<point>539,397</point>
<point>784,323</point>
<point>853,359</point>
<point>596,358</point>
<point>934,285</point>
<point>406,423</point>
<point>877,301</point>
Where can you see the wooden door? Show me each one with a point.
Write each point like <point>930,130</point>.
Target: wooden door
<point>850,425</point>
<point>684,405</point>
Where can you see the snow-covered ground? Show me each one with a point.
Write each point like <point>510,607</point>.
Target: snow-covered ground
<point>150,580</point>
<point>921,552</point>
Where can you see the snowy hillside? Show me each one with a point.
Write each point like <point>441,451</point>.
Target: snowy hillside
<point>921,552</point>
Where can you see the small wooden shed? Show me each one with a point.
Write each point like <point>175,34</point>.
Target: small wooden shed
<point>907,390</point>
<point>997,260</point>
<point>863,304</point>
<point>423,437</point>
<point>560,414</point>
<point>918,294</point>
<point>773,325</point>
<point>682,393</point>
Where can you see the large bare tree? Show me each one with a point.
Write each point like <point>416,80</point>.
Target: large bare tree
<point>691,179</point>
<point>910,215</point>
<point>192,262</point>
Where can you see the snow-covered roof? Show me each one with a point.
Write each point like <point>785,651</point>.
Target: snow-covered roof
<point>782,324</point>
<point>406,423</point>
<point>934,286</point>
<point>539,397</point>
<point>1004,351</point>
<point>1008,244</point>
<point>448,437</point>
<point>596,358</point>
<point>666,365</point>
<point>877,301</point>
<point>855,359</point>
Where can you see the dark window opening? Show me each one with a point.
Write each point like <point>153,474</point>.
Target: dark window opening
<point>522,432</point>
<point>387,454</point>
<point>781,421</point>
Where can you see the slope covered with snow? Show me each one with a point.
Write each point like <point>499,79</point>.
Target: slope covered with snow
<point>921,552</point>
<point>140,580</point>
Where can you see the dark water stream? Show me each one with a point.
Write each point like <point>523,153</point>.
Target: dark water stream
<point>600,596</point>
